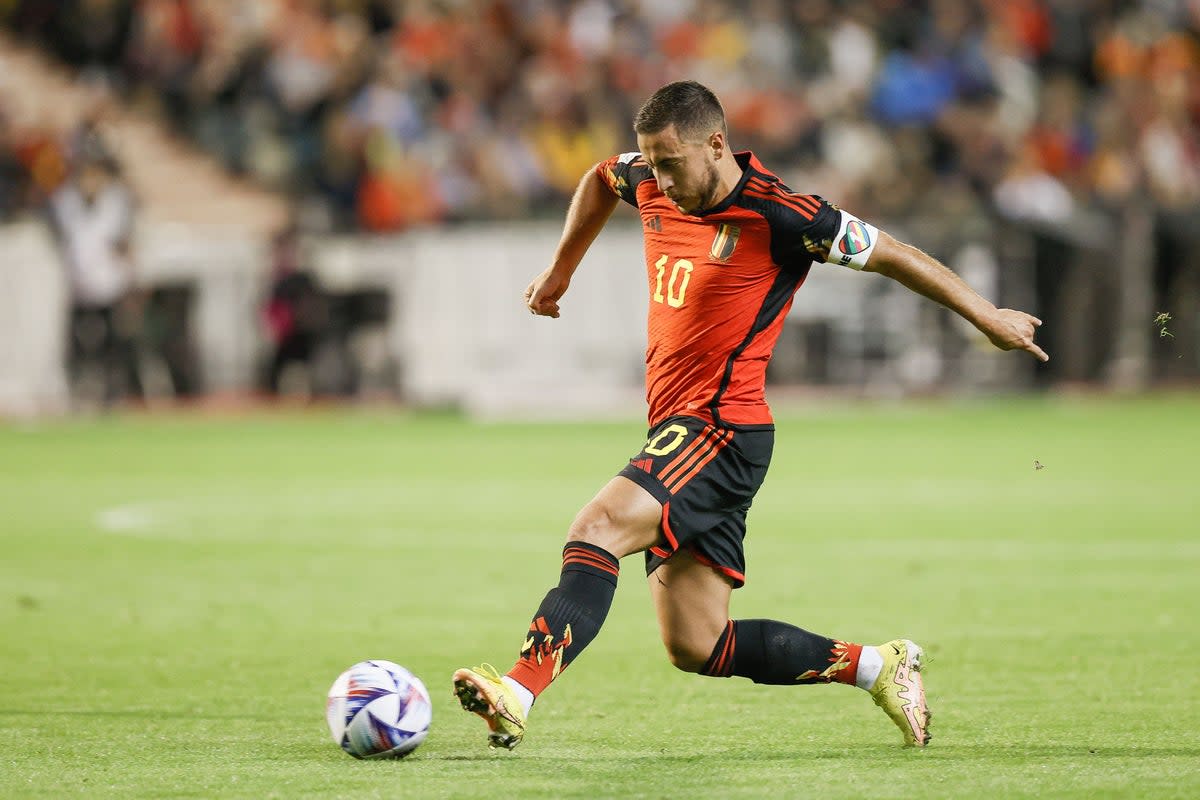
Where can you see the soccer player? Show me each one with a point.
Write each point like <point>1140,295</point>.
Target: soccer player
<point>727,245</point>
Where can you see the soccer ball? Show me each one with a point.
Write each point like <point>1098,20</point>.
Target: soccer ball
<point>378,709</point>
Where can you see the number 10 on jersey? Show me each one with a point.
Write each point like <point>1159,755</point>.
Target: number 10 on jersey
<point>681,273</point>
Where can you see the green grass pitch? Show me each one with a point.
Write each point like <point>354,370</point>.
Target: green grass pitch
<point>177,593</point>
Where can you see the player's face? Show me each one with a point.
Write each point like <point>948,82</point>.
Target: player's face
<point>686,171</point>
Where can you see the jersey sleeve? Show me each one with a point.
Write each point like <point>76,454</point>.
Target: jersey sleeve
<point>820,232</point>
<point>622,174</point>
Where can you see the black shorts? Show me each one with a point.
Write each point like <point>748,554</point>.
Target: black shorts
<point>705,477</point>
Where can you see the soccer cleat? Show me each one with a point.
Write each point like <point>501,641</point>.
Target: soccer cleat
<point>481,692</point>
<point>899,691</point>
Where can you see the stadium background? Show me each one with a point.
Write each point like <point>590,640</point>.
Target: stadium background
<point>183,576</point>
<point>415,158</point>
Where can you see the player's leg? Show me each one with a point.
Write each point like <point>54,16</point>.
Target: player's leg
<point>622,518</point>
<point>691,599</point>
<point>704,517</point>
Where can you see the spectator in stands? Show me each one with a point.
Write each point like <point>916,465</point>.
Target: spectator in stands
<point>294,315</point>
<point>92,217</point>
<point>390,115</point>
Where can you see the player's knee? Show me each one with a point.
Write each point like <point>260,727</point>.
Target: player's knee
<point>685,655</point>
<point>595,524</point>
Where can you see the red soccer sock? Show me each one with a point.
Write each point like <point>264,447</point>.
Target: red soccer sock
<point>845,655</point>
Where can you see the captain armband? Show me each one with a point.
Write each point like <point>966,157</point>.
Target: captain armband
<point>854,243</point>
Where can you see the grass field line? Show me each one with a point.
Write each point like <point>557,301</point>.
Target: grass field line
<point>178,520</point>
<point>809,493</point>
<point>262,522</point>
<point>174,521</point>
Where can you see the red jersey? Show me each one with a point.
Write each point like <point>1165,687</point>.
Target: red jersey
<point>721,282</point>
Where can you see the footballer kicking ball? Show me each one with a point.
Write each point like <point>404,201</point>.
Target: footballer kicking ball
<point>378,709</point>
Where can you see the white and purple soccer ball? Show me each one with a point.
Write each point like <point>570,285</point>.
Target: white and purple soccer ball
<point>378,709</point>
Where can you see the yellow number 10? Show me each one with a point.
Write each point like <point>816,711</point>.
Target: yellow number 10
<point>675,293</point>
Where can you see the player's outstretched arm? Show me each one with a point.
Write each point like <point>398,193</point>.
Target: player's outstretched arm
<point>590,208</point>
<point>1006,328</point>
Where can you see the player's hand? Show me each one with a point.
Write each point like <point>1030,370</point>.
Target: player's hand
<point>543,293</point>
<point>1010,329</point>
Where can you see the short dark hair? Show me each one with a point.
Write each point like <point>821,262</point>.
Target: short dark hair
<point>690,106</point>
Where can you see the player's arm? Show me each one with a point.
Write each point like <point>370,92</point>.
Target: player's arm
<point>1007,328</point>
<point>590,209</point>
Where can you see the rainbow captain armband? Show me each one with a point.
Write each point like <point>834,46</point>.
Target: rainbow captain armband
<point>854,243</point>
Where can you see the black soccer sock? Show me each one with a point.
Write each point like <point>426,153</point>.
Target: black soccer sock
<point>569,617</point>
<point>766,651</point>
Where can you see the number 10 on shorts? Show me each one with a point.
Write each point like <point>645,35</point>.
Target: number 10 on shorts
<point>667,440</point>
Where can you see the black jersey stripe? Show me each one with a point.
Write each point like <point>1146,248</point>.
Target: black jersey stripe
<point>792,272</point>
<point>772,185</point>
<point>777,189</point>
<point>808,211</point>
<point>765,181</point>
<point>784,286</point>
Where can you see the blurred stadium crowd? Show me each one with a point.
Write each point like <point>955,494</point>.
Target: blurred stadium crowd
<point>381,114</point>
<point>1059,138</point>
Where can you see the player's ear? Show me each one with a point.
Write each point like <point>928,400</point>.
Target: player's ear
<point>717,142</point>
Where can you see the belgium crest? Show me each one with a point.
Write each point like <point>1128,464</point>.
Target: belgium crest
<point>724,242</point>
